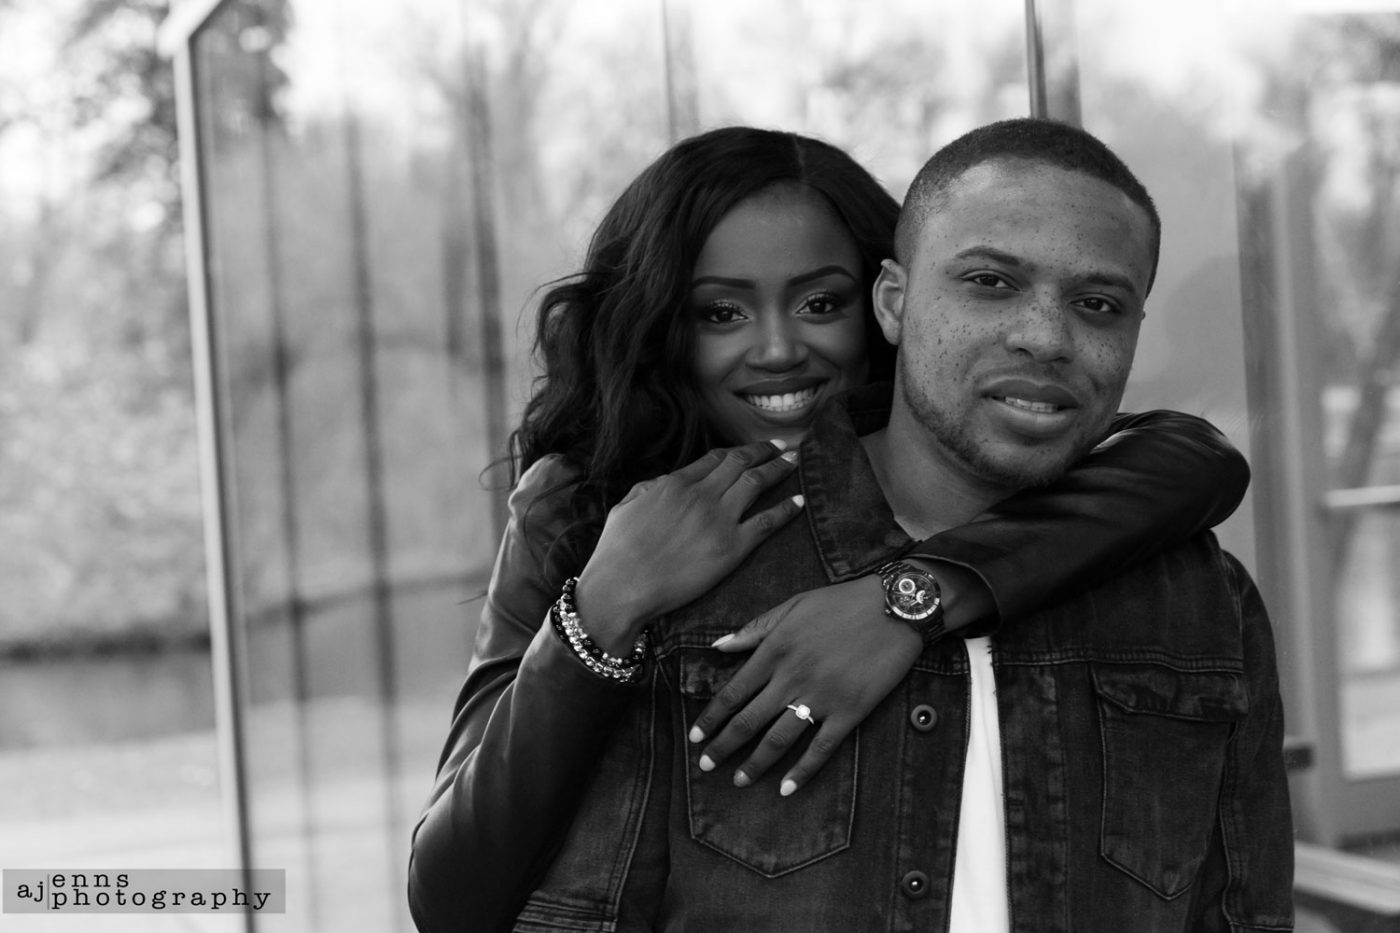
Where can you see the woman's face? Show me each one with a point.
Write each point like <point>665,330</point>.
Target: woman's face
<point>779,309</point>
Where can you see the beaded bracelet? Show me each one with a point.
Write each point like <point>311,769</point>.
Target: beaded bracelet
<point>569,628</point>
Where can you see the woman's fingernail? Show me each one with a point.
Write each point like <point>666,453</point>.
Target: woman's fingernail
<point>721,640</point>
<point>799,500</point>
<point>778,442</point>
<point>787,787</point>
<point>706,763</point>
<point>697,734</point>
<point>790,456</point>
<point>741,779</point>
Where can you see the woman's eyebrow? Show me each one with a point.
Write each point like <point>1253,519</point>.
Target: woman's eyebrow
<point>821,273</point>
<point>800,279</point>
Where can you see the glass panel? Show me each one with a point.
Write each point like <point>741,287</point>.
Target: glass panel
<point>385,186</point>
<point>1276,128</point>
<point>1349,111</point>
<point>888,82</point>
<point>108,754</point>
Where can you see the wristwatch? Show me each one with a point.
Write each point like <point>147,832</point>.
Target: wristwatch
<point>913,594</point>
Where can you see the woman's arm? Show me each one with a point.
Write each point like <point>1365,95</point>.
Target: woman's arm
<point>531,719</point>
<point>1159,479</point>
<point>528,720</point>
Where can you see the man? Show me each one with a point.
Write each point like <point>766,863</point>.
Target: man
<point>1111,763</point>
<point>1137,728</point>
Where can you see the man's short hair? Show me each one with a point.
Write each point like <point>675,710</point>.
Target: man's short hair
<point>1028,139</point>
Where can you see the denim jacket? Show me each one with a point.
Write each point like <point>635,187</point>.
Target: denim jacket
<point>566,802</point>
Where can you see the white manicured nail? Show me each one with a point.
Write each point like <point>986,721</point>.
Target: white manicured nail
<point>721,640</point>
<point>799,500</point>
<point>706,763</point>
<point>787,787</point>
<point>778,442</point>
<point>696,735</point>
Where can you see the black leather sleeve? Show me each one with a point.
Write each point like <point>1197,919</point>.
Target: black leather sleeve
<point>530,719</point>
<point>1159,478</point>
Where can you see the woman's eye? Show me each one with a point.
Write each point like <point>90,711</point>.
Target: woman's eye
<point>821,304</point>
<point>721,314</point>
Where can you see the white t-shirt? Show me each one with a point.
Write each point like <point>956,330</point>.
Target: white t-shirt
<point>980,898</point>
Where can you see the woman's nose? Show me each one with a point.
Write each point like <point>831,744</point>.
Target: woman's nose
<point>778,345</point>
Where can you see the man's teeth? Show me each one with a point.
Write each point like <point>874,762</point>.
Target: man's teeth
<point>788,401</point>
<point>1028,405</point>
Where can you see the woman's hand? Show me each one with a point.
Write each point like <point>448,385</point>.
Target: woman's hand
<point>832,649</point>
<point>674,537</point>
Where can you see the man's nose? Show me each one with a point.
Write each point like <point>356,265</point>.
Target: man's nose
<point>1041,328</point>
<point>779,345</point>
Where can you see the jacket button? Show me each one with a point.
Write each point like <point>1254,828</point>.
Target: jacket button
<point>923,717</point>
<point>914,885</point>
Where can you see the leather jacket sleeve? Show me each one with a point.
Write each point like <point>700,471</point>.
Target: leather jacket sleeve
<point>1159,478</point>
<point>529,720</point>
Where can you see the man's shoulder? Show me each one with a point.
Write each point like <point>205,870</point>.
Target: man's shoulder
<point>1180,605</point>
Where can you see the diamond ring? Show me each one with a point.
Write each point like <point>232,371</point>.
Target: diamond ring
<point>804,712</point>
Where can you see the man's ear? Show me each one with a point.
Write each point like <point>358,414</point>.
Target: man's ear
<point>888,297</point>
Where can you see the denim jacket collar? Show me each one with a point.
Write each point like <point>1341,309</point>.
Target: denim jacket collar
<point>851,521</point>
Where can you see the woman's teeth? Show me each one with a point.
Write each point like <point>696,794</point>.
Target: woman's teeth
<point>788,401</point>
<point>1027,405</point>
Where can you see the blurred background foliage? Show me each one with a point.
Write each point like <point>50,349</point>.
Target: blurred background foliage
<point>99,503</point>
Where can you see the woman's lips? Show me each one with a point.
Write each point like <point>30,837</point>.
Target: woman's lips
<point>783,402</point>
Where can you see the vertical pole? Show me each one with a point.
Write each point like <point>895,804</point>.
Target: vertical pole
<point>1052,61</point>
<point>678,70</point>
<point>227,654</point>
<point>377,519</point>
<point>1035,61</point>
<point>481,165</point>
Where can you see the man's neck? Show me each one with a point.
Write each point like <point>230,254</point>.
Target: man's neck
<point>925,492</point>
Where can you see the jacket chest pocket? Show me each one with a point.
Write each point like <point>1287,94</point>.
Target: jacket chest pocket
<point>1165,739</point>
<point>755,826</point>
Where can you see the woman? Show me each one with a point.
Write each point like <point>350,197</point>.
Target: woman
<point>725,296</point>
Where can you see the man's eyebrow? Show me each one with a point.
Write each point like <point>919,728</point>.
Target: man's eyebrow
<point>1106,279</point>
<point>801,279</point>
<point>1112,280</point>
<point>989,252</point>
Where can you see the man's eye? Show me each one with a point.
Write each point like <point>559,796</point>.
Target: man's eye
<point>988,280</point>
<point>1098,305</point>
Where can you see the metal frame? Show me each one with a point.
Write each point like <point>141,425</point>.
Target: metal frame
<point>228,653</point>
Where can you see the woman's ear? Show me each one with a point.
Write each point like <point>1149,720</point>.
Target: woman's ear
<point>888,297</point>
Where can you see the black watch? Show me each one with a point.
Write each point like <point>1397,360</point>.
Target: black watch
<point>913,594</point>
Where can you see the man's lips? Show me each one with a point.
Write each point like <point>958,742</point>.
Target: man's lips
<point>1031,395</point>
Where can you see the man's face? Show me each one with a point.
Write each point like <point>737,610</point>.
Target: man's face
<point>1016,320</point>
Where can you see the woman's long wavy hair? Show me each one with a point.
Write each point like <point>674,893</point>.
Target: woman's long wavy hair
<point>617,395</point>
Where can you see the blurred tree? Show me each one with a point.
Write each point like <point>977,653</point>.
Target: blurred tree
<point>99,501</point>
<point>1351,66</point>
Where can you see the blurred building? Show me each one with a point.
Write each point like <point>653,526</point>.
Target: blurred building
<point>375,191</point>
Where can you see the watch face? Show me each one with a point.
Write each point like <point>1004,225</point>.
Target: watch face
<point>912,594</point>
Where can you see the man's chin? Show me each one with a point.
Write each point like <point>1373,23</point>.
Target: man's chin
<point>1017,468</point>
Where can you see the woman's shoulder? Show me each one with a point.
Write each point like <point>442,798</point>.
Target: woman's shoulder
<point>544,494</point>
<point>548,476</point>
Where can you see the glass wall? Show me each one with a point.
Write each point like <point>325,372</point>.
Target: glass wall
<point>386,187</point>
